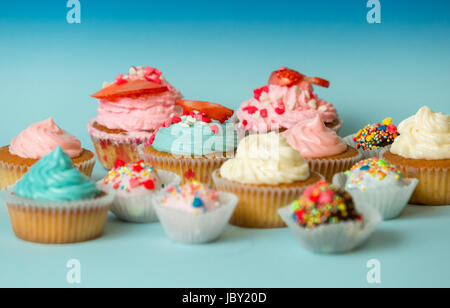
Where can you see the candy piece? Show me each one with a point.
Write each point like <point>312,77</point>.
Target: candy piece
<point>189,175</point>
<point>197,202</point>
<point>286,77</point>
<point>213,111</point>
<point>258,92</point>
<point>149,184</point>
<point>119,163</point>
<point>132,87</point>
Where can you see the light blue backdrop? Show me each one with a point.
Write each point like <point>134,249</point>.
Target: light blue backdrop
<point>220,51</point>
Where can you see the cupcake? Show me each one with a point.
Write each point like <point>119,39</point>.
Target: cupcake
<point>130,110</point>
<point>288,99</point>
<point>378,183</point>
<point>325,152</point>
<point>195,213</point>
<point>373,138</point>
<point>325,219</point>
<point>422,151</point>
<point>55,204</point>
<point>266,174</point>
<point>193,145</point>
<point>38,140</point>
<point>137,187</point>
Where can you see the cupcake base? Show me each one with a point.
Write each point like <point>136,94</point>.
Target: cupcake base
<point>433,175</point>
<point>57,222</point>
<point>111,145</point>
<point>12,167</point>
<point>201,167</point>
<point>329,166</point>
<point>258,204</point>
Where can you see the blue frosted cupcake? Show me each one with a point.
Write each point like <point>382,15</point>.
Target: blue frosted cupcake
<point>192,146</point>
<point>54,203</point>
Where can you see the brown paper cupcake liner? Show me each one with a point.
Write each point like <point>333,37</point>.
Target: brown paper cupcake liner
<point>49,222</point>
<point>200,167</point>
<point>11,173</point>
<point>329,167</point>
<point>258,204</point>
<point>434,183</point>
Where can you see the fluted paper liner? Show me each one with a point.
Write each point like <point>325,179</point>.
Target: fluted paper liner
<point>329,167</point>
<point>141,209</point>
<point>202,166</point>
<point>258,205</point>
<point>334,238</point>
<point>11,173</point>
<point>51,222</point>
<point>189,228</point>
<point>433,187</point>
<point>389,202</point>
<point>365,153</point>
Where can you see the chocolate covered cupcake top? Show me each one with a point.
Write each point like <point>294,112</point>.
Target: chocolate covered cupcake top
<point>377,135</point>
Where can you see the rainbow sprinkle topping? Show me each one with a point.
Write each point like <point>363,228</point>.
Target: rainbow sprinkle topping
<point>375,167</point>
<point>377,135</point>
<point>126,177</point>
<point>193,194</point>
<point>323,204</point>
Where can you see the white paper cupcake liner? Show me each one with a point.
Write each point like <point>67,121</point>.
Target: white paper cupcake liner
<point>202,166</point>
<point>329,167</point>
<point>334,238</point>
<point>141,209</point>
<point>365,153</point>
<point>188,228</point>
<point>389,202</point>
<point>434,183</point>
<point>258,204</point>
<point>51,222</point>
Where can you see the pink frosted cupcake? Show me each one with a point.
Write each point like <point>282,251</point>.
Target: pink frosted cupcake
<point>325,152</point>
<point>130,110</point>
<point>287,100</point>
<point>35,142</point>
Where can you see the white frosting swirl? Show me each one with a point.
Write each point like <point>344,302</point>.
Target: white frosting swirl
<point>425,135</point>
<point>265,159</point>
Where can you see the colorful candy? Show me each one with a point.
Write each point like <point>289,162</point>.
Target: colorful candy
<point>377,135</point>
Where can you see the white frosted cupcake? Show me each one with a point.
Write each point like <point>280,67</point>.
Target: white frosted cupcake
<point>139,188</point>
<point>195,213</point>
<point>266,174</point>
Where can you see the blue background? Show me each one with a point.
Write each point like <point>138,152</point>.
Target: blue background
<point>220,51</point>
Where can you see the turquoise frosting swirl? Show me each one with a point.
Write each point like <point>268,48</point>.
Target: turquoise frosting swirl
<point>53,178</point>
<point>196,138</point>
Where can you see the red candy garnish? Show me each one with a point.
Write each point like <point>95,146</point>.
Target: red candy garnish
<point>120,80</point>
<point>286,77</point>
<point>149,184</point>
<point>263,113</point>
<point>250,109</point>
<point>176,119</point>
<point>244,123</point>
<point>258,92</point>
<point>280,110</point>
<point>132,87</point>
<point>210,110</point>
<point>119,164</point>
<point>137,166</point>
<point>206,119</point>
<point>189,175</point>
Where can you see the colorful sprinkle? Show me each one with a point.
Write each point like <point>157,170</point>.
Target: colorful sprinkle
<point>377,135</point>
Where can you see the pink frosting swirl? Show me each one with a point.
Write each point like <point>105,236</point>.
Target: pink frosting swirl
<point>141,113</point>
<point>283,107</point>
<point>41,138</point>
<point>313,139</point>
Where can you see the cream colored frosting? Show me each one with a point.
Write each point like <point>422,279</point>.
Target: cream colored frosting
<point>265,159</point>
<point>425,135</point>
